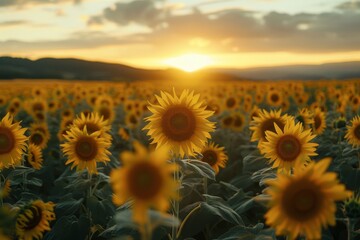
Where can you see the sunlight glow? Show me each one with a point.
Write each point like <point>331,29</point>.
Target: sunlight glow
<point>189,62</point>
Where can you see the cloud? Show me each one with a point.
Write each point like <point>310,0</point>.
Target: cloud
<point>144,12</point>
<point>349,6</point>
<point>238,30</point>
<point>12,23</point>
<point>21,3</point>
<point>225,31</point>
<point>78,40</point>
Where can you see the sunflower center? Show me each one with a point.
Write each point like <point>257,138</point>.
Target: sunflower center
<point>66,113</point>
<point>357,132</point>
<point>178,123</point>
<point>38,107</point>
<point>317,122</point>
<point>34,219</point>
<point>37,138</point>
<point>268,125</point>
<point>40,116</point>
<point>355,101</point>
<point>145,181</point>
<point>105,112</point>
<point>133,119</point>
<point>230,102</point>
<point>238,122</point>
<point>86,148</point>
<point>7,140</point>
<point>228,121</point>
<point>302,200</point>
<point>274,97</point>
<point>288,148</point>
<point>209,157</point>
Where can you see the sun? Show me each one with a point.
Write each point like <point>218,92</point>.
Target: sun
<point>189,62</point>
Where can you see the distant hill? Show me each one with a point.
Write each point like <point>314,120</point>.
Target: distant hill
<point>52,68</point>
<point>343,70</point>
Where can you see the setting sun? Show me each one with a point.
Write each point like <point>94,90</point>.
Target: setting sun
<point>189,62</point>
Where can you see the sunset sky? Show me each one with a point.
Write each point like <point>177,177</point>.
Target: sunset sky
<point>162,33</point>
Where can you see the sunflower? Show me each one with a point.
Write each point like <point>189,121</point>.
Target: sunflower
<point>38,138</point>
<point>265,122</point>
<point>305,202</point>
<point>34,219</point>
<point>85,150</point>
<point>93,122</point>
<point>38,92</point>
<point>132,120</point>
<point>227,121</point>
<point>41,127</point>
<point>319,121</point>
<point>39,117</point>
<point>353,132</point>
<point>34,157</point>
<point>12,142</point>
<point>305,117</point>
<point>67,113</point>
<point>179,122</point>
<point>290,147</point>
<point>5,189</point>
<point>274,98</point>
<point>146,178</point>
<point>53,105</point>
<point>214,155</point>
<point>355,103</point>
<point>3,100</point>
<point>104,100</point>
<point>36,105</point>
<point>231,103</point>
<point>238,123</point>
<point>106,112</point>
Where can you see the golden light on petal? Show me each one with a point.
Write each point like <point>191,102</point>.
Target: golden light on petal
<point>12,142</point>
<point>190,62</point>
<point>34,219</point>
<point>146,177</point>
<point>180,123</point>
<point>215,156</point>
<point>290,147</point>
<point>353,132</point>
<point>85,150</point>
<point>265,122</point>
<point>305,202</point>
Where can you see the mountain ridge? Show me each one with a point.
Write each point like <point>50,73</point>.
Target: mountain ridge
<point>72,68</point>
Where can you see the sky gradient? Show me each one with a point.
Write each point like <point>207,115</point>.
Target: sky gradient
<point>152,33</point>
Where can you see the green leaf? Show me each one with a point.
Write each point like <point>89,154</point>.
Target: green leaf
<point>68,207</point>
<point>200,168</point>
<point>248,233</point>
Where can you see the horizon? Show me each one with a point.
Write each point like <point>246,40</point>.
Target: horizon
<point>189,35</point>
<point>169,67</point>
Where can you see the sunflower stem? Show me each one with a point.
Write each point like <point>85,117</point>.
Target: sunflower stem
<point>176,204</point>
<point>90,189</point>
<point>185,220</point>
<point>145,232</point>
<point>205,185</point>
<point>350,224</point>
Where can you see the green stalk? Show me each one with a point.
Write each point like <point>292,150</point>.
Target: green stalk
<point>176,204</point>
<point>350,224</point>
<point>185,220</point>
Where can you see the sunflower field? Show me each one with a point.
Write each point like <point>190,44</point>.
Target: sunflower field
<point>150,160</point>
